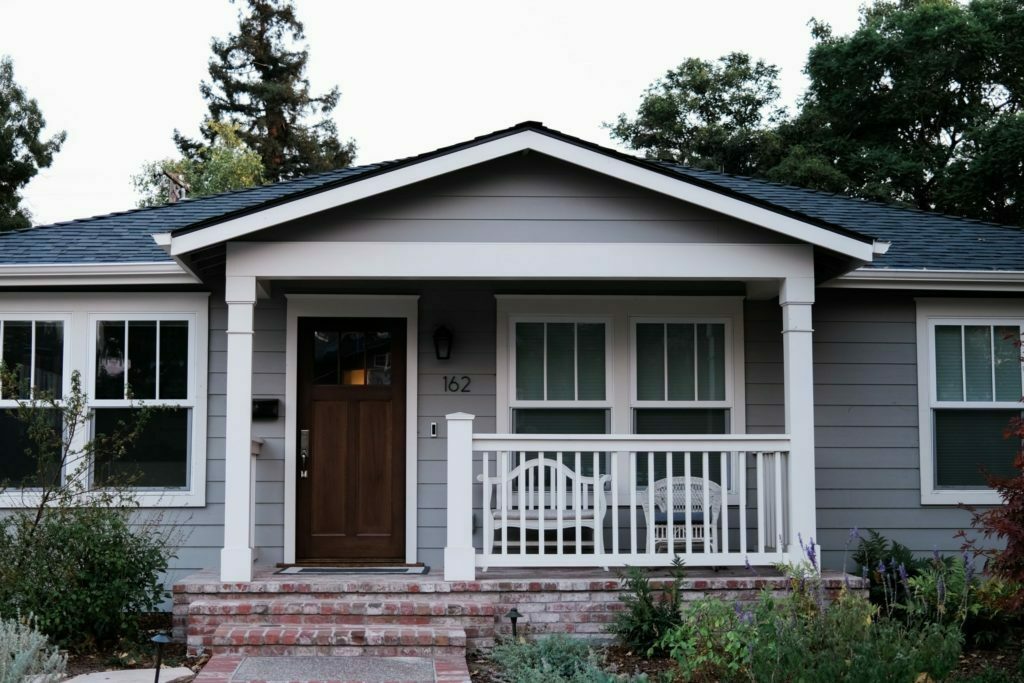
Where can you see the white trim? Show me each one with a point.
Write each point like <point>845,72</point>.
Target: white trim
<point>510,144</point>
<point>80,310</point>
<point>955,312</point>
<point>923,279</point>
<point>352,306</point>
<point>68,274</point>
<point>518,260</point>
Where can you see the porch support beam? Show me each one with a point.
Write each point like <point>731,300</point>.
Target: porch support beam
<point>236,557</point>
<point>459,555</point>
<point>796,296</point>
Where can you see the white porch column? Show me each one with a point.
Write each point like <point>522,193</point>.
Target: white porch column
<point>459,554</point>
<point>236,557</point>
<point>796,296</point>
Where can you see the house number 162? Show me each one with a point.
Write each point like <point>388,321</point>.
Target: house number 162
<point>454,384</point>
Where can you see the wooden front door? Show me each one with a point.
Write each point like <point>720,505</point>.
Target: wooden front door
<point>351,440</point>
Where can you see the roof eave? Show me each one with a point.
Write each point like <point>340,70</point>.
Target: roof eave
<point>87,274</point>
<point>930,279</point>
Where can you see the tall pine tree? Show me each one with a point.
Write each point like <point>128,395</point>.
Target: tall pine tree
<point>258,81</point>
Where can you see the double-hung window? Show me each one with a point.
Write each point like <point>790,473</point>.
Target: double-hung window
<point>560,377</point>
<point>681,384</point>
<point>33,354</point>
<point>970,367</point>
<point>144,361</point>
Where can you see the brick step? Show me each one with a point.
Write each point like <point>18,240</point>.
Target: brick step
<point>327,640</point>
<point>330,607</point>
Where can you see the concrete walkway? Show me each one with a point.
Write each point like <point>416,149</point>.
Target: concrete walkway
<point>351,669</point>
<point>167,675</point>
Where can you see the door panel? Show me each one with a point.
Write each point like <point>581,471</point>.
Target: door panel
<point>351,501</point>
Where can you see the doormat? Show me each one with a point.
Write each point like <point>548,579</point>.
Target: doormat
<point>408,571</point>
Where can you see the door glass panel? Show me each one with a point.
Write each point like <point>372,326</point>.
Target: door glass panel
<point>352,358</point>
<point>325,357</point>
<point>378,358</point>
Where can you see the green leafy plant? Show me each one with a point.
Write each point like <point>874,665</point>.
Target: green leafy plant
<point>27,655</point>
<point>711,643</point>
<point>554,659</point>
<point>82,559</point>
<point>875,557</point>
<point>648,614</point>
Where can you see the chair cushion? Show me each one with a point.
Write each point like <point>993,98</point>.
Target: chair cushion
<point>678,517</point>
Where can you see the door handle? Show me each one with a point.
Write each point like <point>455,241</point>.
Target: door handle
<point>303,454</point>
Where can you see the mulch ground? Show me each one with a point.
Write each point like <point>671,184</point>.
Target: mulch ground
<point>135,655</point>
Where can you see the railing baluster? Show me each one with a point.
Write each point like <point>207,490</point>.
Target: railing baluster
<point>503,457</point>
<point>759,458</point>
<point>615,501</point>
<point>577,500</point>
<point>778,502</point>
<point>631,459</point>
<point>559,481</point>
<point>670,506</point>
<point>596,505</point>
<point>541,506</point>
<point>488,522</point>
<point>724,455</point>
<point>741,489</point>
<point>650,504</point>
<point>523,497</point>
<point>688,500</point>
<point>706,471</point>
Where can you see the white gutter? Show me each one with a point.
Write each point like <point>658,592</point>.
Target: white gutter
<point>924,279</point>
<point>84,274</point>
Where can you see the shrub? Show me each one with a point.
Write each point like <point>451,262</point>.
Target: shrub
<point>878,559</point>
<point>646,618</point>
<point>26,654</point>
<point>554,659</point>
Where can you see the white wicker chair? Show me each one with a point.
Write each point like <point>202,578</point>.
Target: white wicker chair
<point>657,519</point>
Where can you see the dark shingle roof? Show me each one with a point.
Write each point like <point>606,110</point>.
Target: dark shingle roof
<point>919,240</point>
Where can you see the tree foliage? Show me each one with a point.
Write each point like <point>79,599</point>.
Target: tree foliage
<point>920,105</point>
<point>258,81</point>
<point>226,164</point>
<point>23,150</point>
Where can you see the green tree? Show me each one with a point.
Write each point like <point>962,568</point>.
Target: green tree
<point>226,164</point>
<point>22,149</point>
<point>718,115</point>
<point>258,80</point>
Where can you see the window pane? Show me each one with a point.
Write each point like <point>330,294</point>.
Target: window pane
<point>142,358</point>
<point>173,359</point>
<point>650,362</point>
<point>561,350</point>
<point>110,359</point>
<point>325,357</point>
<point>680,362</point>
<point>679,421</point>
<point>530,361</point>
<point>17,357</point>
<point>158,458</point>
<point>590,363</point>
<point>563,421</point>
<point>978,362</point>
<point>948,363</point>
<point>1007,362</point>
<point>711,362</point>
<point>378,358</point>
<point>352,358</point>
<point>49,360</point>
<point>20,463</point>
<point>967,441</point>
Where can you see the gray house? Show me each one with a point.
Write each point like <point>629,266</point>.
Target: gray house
<point>528,351</point>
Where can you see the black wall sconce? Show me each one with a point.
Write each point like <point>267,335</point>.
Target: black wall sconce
<point>443,339</point>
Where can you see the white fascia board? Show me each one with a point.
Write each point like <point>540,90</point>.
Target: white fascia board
<point>923,279</point>
<point>510,144</point>
<point>54,274</point>
<point>518,260</point>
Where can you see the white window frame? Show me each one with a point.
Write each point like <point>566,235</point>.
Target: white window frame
<point>620,390</point>
<point>79,311</point>
<point>34,317</point>
<point>930,314</point>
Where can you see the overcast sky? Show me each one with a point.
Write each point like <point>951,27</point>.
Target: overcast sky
<point>120,75</point>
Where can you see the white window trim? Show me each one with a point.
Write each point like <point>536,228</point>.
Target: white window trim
<point>621,311</point>
<point>80,311</point>
<point>932,312</point>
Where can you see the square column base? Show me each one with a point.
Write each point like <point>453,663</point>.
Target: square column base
<point>235,564</point>
<point>459,564</point>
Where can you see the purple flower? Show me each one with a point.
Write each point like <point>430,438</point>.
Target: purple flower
<point>941,590</point>
<point>969,569</point>
<point>903,574</point>
<point>935,555</point>
<point>881,567</point>
<point>812,554</point>
<point>854,534</point>
<point>864,571</point>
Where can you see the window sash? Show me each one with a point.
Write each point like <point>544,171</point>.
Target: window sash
<point>544,401</point>
<point>933,361</point>
<point>35,319</point>
<point>728,357</point>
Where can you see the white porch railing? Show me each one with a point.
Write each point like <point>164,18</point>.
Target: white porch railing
<point>579,500</point>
